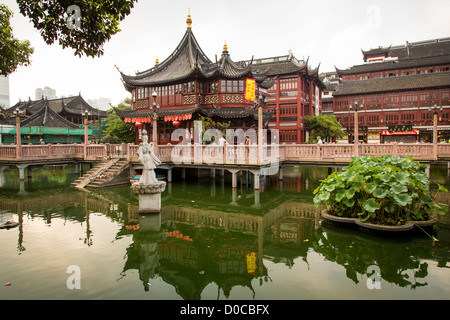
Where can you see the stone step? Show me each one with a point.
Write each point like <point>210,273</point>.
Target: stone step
<point>108,174</point>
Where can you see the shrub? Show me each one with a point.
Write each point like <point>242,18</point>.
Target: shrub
<point>384,190</point>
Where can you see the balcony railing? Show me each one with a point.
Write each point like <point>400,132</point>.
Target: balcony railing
<point>228,155</point>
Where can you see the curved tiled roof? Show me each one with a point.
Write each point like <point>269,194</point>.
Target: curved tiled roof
<point>235,113</point>
<point>227,68</point>
<point>187,60</point>
<point>213,111</point>
<point>47,117</point>
<point>394,65</point>
<point>160,113</point>
<point>77,105</point>
<point>412,82</point>
<point>73,104</point>
<point>415,54</point>
<point>181,64</point>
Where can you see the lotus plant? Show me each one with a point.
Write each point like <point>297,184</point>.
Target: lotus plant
<point>384,190</point>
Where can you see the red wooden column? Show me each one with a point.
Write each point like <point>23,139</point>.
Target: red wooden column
<point>260,134</point>
<point>356,134</point>
<point>85,137</point>
<point>435,136</point>
<point>299,109</point>
<point>155,132</point>
<point>18,138</point>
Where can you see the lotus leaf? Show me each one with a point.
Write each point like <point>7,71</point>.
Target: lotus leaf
<point>384,190</point>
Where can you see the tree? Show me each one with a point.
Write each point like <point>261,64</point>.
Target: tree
<point>118,131</point>
<point>323,126</point>
<point>83,25</point>
<point>14,52</point>
<point>208,123</point>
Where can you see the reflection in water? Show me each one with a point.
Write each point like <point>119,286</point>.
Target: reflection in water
<point>208,233</point>
<point>402,261</point>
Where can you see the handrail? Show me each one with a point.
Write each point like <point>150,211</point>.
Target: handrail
<point>230,154</point>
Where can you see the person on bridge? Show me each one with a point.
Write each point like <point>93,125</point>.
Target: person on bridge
<point>222,141</point>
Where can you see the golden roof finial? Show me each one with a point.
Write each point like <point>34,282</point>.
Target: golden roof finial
<point>225,47</point>
<point>189,20</point>
<point>156,61</point>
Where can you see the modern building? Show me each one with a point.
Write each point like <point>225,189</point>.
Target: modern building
<point>4,92</point>
<point>188,86</point>
<point>398,89</point>
<point>45,93</point>
<point>100,103</point>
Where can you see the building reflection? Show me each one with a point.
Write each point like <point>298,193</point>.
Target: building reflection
<point>208,234</point>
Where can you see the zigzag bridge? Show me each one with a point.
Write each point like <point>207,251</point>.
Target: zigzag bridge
<point>115,163</point>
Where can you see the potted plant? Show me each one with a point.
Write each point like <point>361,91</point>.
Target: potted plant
<point>388,193</point>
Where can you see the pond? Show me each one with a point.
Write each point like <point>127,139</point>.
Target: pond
<point>210,242</point>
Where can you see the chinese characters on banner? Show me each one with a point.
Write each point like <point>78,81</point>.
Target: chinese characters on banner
<point>317,101</point>
<point>250,89</point>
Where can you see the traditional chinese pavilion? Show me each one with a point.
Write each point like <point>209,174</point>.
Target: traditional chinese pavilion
<point>189,85</point>
<point>54,120</point>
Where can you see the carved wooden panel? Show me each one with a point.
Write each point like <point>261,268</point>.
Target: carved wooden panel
<point>190,99</point>
<point>141,104</point>
<point>211,99</point>
<point>233,98</point>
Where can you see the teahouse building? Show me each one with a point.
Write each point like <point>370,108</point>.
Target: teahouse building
<point>400,89</point>
<point>188,85</point>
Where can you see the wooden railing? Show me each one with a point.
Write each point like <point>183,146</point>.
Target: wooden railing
<point>231,154</point>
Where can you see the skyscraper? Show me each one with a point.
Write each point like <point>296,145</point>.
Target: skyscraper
<point>4,92</point>
<point>45,92</point>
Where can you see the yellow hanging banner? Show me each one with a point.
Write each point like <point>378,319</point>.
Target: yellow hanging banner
<point>250,88</point>
<point>251,262</point>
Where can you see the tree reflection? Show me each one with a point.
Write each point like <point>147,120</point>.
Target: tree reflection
<point>401,260</point>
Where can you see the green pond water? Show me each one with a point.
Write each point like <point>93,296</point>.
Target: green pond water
<point>209,242</point>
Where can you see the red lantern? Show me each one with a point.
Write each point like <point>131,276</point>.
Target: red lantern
<point>138,124</point>
<point>176,123</point>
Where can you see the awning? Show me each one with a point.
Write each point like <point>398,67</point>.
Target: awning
<point>47,131</point>
<point>400,133</point>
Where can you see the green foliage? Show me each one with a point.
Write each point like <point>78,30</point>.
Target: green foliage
<point>208,123</point>
<point>323,126</point>
<point>118,131</point>
<point>13,52</point>
<point>382,190</point>
<point>99,20</point>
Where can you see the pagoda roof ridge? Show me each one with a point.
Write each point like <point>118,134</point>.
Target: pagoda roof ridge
<point>184,61</point>
<point>394,65</point>
<point>188,39</point>
<point>391,84</point>
<point>47,117</point>
<point>227,67</point>
<point>377,50</point>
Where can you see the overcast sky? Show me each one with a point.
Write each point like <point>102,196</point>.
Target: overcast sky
<point>329,32</point>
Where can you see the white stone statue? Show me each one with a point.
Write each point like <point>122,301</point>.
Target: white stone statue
<point>148,159</point>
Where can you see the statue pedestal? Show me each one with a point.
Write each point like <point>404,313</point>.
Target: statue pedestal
<point>149,196</point>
